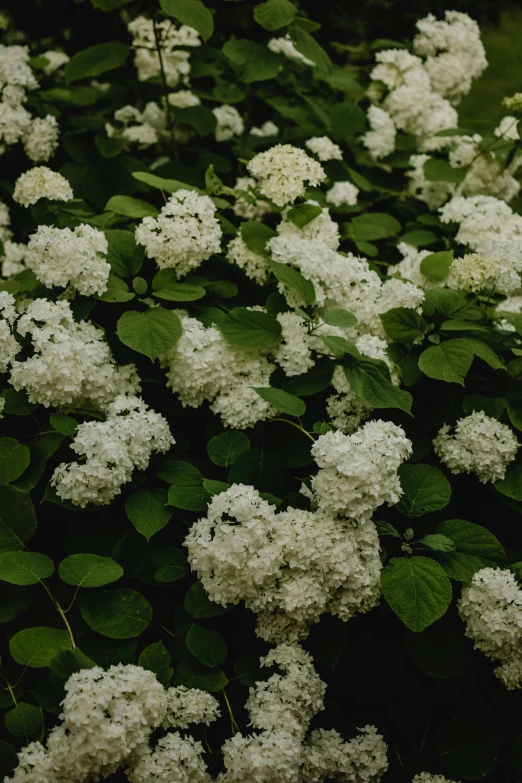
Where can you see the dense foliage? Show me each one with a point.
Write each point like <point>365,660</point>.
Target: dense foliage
<point>261,348</point>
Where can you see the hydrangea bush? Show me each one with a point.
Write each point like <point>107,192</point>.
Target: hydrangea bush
<point>261,409</point>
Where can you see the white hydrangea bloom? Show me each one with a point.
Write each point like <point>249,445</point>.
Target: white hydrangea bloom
<point>361,760</point>
<point>175,759</point>
<point>112,449</point>
<point>5,223</point>
<point>142,128</point>
<point>185,233</point>
<point>294,352</point>
<point>55,60</point>
<point>475,272</point>
<point>428,777</point>
<point>479,444</point>
<point>41,182</point>
<point>183,99</point>
<point>422,113</point>
<point>342,193</point>
<point>397,67</point>
<point>486,173</point>
<point>491,607</point>
<point>513,304</point>
<point>358,472</point>
<point>13,257</point>
<point>253,264</point>
<point>15,69</point>
<point>9,346</point>
<point>324,148</point>
<point>282,172</point>
<point>244,209</point>
<point>285,46</point>
<point>268,128</point>
<point>264,758</point>
<point>176,61</point>
<point>189,705</point>
<point>71,365</point>
<point>41,140</point>
<point>229,123</point>
<point>434,194</point>
<point>60,256</point>
<point>321,229</point>
<point>507,128</point>
<point>380,139</point>
<point>409,267</point>
<point>15,122</point>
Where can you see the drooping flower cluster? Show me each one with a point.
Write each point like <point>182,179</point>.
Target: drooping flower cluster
<point>41,182</point>
<point>184,234</point>
<point>282,172</point>
<point>62,257</point>
<point>147,35</point>
<point>288,567</point>
<point>491,607</point>
<point>479,444</point>
<point>112,450</point>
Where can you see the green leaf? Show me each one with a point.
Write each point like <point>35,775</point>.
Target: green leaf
<point>152,333</point>
<point>14,459</point>
<point>24,720</point>
<point>118,614</point>
<point>425,488</point>
<point>419,238</point>
<point>65,425</point>
<point>253,61</point>
<point>339,346</point>
<point>199,605</point>
<point>449,361</point>
<point>168,185</point>
<point>192,13</point>
<point>193,674</point>
<point>117,291</point>
<point>156,658</point>
<point>475,548</point>
<point>387,529</point>
<point>436,266</point>
<point>166,286</point>
<point>294,281</point>
<point>303,214</point>
<point>36,647</point>
<point>124,255</point>
<point>282,401</point>
<point>438,543</point>
<point>189,498</point>
<point>214,487</point>
<point>309,47</point>
<point>250,330</point>
<point>130,207</point>
<point>255,235</point>
<point>417,590</point>
<point>25,568</point>
<point>347,119</point>
<point>339,317</point>
<point>96,60</point>
<point>370,381</point>
<point>13,602</point>
<point>204,123</point>
<point>442,171</point>
<point>206,645</point>
<point>374,225</point>
<point>467,748</point>
<point>486,353</point>
<point>147,510</point>
<point>224,449</point>
<point>443,301</point>
<point>511,484</point>
<point>275,14</point>
<point>178,471</point>
<point>89,570</point>
<point>66,662</point>
<point>17,518</point>
<point>403,324</point>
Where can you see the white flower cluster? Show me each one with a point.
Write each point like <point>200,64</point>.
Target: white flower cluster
<point>41,182</point>
<point>189,705</point>
<point>286,46</point>
<point>324,148</point>
<point>254,210</point>
<point>265,130</point>
<point>328,757</point>
<point>55,60</point>
<point>202,366</point>
<point>491,607</point>
<point>288,567</point>
<point>409,267</point>
<point>342,193</point>
<point>253,264</point>
<point>294,352</point>
<point>486,173</point>
<point>380,139</point>
<point>9,346</point>
<point>479,444</point>
<point>5,223</point>
<point>185,233</point>
<point>71,364</point>
<point>112,449</point>
<point>176,61</point>
<point>513,304</point>
<point>183,99</point>
<point>13,258</point>
<point>142,128</point>
<point>358,472</point>
<point>108,717</point>
<point>282,172</point>
<point>433,193</point>
<point>428,777</point>
<point>62,257</point>
<point>474,272</point>
<point>229,123</point>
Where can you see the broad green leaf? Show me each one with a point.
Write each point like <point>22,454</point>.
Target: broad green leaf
<point>403,324</point>
<point>250,330</point>
<point>347,119</point>
<point>468,749</point>
<point>443,301</point>
<point>449,361</point>
<point>417,590</point>
<point>89,570</point>
<point>130,207</point>
<point>260,468</point>
<point>156,658</point>
<point>168,185</point>
<point>96,60</point>
<point>36,647</point>
<point>152,333</point>
<point>438,542</point>
<point>199,605</point>
<point>303,214</point>
<point>192,13</point>
<point>254,61</point>
<point>316,380</point>
<point>14,459</point>
<point>387,529</point>
<point>339,346</point>
<point>374,225</point>
<point>224,449</point>
<point>475,548</point>
<point>282,401</point>
<point>117,291</point>
<point>13,602</point>
<point>166,286</point>
<point>192,674</point>
<point>309,47</point>
<point>511,484</point>
<point>118,614</point>
<point>275,14</point>
<point>370,381</point>
<point>147,510</point>
<point>177,471</point>
<point>65,425</point>
<point>425,489</point>
<point>24,720</point>
<point>204,123</point>
<point>25,568</point>
<point>294,281</point>
<point>339,317</point>
<point>124,255</point>
<point>255,235</point>
<point>419,238</point>
<point>436,266</point>
<point>436,170</point>
<point>189,498</point>
<point>514,409</point>
<point>214,487</point>
<point>17,518</point>
<point>206,645</point>
<point>66,662</point>
<point>486,353</point>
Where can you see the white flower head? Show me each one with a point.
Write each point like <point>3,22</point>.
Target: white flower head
<point>41,182</point>
<point>282,172</point>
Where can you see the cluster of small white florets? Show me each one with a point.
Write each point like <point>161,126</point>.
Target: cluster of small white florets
<point>55,60</point>
<point>229,123</point>
<point>41,182</point>
<point>185,233</point>
<point>409,267</point>
<point>361,760</point>
<point>108,717</point>
<point>62,257</point>
<point>202,366</point>
<point>488,226</point>
<point>324,148</point>
<point>479,444</point>
<point>476,272</point>
<point>286,46</point>
<point>294,353</point>
<point>71,365</point>
<point>183,99</point>
<point>112,449</point>
<point>253,209</point>
<point>142,128</point>
<point>428,777</point>
<point>486,172</point>
<point>253,264</point>
<point>9,346</point>
<point>358,472</point>
<point>282,172</point>
<point>12,258</point>
<point>176,61</point>
<point>380,139</point>
<point>268,128</point>
<point>433,193</point>
<point>288,567</point>
<point>342,193</point>
<point>491,607</point>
